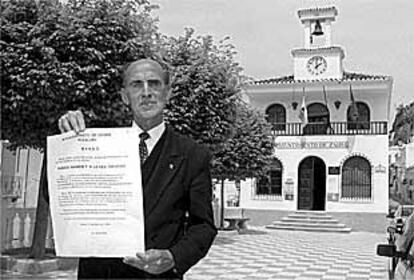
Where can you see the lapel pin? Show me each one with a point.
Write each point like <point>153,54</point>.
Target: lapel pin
<point>171,166</point>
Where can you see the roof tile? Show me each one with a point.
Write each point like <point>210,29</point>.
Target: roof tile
<point>348,76</point>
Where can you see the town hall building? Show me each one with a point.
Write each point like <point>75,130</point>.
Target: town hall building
<point>330,128</point>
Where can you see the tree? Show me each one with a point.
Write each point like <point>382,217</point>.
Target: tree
<point>403,126</point>
<point>58,57</point>
<point>203,89</point>
<point>247,153</point>
<point>206,106</point>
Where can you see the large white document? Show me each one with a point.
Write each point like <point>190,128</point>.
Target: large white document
<point>95,192</point>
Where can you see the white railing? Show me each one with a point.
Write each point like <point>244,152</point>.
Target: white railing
<point>330,128</point>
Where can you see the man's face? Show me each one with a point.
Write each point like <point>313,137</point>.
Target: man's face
<point>145,91</point>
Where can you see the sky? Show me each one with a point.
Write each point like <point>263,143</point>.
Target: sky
<point>376,35</point>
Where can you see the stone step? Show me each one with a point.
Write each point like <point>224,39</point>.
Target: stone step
<point>314,229</point>
<point>315,225</point>
<point>304,220</point>
<point>311,212</point>
<point>309,221</point>
<point>310,217</point>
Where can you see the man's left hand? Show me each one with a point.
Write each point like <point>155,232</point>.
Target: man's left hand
<point>154,261</point>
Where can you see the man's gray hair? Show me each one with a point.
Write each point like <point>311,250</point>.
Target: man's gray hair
<point>163,70</point>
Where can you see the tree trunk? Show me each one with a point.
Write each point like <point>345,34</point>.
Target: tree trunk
<point>222,205</point>
<point>237,183</point>
<point>41,219</point>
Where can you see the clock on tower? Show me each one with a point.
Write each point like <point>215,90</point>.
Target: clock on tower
<point>316,65</point>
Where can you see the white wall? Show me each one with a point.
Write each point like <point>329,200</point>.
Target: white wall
<point>374,148</point>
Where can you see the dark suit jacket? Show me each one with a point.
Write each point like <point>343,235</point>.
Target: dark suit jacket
<point>176,181</point>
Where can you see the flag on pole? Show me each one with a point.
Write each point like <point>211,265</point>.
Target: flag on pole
<point>328,120</point>
<point>303,113</point>
<point>325,98</point>
<point>353,111</point>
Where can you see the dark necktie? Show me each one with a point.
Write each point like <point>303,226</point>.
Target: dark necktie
<point>143,150</point>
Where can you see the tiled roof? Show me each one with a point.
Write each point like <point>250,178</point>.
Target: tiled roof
<point>348,76</point>
<point>317,9</point>
<point>318,50</point>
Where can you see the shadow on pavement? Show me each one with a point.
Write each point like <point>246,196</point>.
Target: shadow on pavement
<point>252,232</point>
<point>229,239</point>
<point>223,240</point>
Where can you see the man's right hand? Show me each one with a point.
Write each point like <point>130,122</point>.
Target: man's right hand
<point>72,120</point>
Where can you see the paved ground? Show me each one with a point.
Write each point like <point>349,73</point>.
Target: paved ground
<point>272,255</point>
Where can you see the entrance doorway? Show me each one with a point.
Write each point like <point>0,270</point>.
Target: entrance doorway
<point>312,184</point>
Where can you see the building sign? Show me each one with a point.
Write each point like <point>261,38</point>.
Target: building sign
<point>289,188</point>
<point>289,181</point>
<point>289,196</point>
<point>333,196</point>
<point>313,145</point>
<point>333,170</point>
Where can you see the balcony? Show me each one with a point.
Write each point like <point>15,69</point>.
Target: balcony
<point>333,128</point>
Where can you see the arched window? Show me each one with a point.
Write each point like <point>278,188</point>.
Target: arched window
<point>362,118</point>
<point>356,178</point>
<point>271,183</point>
<point>276,115</point>
<point>318,119</point>
<point>318,112</point>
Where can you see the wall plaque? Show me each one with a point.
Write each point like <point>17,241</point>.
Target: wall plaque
<point>333,196</point>
<point>334,170</point>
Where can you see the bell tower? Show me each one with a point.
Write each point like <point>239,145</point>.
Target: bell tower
<point>318,59</point>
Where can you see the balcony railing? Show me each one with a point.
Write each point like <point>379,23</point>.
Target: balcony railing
<point>333,128</point>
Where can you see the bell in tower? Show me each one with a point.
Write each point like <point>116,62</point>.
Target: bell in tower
<point>317,25</point>
<point>317,30</point>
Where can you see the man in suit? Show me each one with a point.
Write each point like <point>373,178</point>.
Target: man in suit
<point>179,226</point>
<point>405,243</point>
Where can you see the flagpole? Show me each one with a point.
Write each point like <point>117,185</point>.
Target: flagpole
<point>328,117</point>
<point>353,113</point>
<point>324,96</point>
<point>303,113</point>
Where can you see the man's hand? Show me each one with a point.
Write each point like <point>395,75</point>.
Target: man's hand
<point>72,120</point>
<point>153,261</point>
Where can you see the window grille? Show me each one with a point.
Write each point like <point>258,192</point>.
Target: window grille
<point>356,179</point>
<point>271,183</point>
